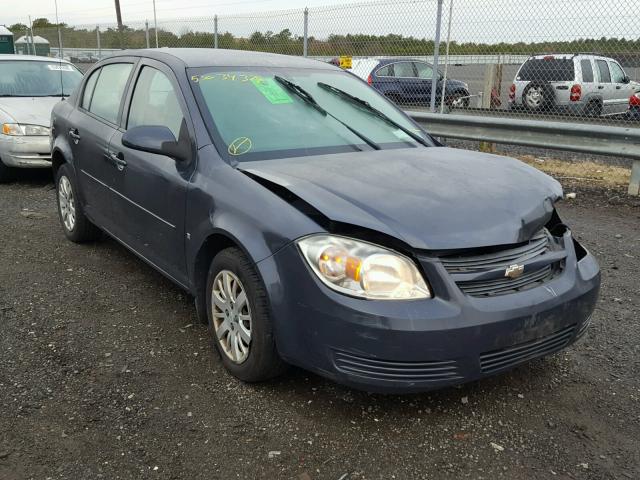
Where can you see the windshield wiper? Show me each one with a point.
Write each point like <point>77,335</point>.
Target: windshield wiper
<point>308,98</point>
<point>366,106</point>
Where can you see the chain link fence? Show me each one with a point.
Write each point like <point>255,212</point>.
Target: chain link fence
<point>561,60</point>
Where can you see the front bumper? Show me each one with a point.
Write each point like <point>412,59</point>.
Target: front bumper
<point>25,151</point>
<point>419,345</point>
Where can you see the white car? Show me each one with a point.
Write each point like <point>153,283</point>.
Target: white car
<point>29,88</point>
<point>577,84</point>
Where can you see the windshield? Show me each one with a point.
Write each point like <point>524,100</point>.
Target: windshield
<point>547,70</point>
<point>24,78</point>
<point>257,114</point>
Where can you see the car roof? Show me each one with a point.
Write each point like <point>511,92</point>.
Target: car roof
<point>33,58</point>
<point>212,57</point>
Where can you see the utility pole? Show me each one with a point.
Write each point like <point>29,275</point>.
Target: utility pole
<point>119,20</point>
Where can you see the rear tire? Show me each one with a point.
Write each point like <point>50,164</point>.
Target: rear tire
<point>240,312</point>
<point>7,174</point>
<point>593,109</point>
<point>76,226</point>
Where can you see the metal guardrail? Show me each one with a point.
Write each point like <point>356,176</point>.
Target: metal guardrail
<point>594,139</point>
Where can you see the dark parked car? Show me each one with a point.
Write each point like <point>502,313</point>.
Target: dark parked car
<point>408,81</point>
<point>315,223</point>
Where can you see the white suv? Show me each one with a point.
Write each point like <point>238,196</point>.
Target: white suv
<point>577,84</point>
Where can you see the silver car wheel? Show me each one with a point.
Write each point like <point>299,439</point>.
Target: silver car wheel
<point>67,203</point>
<point>534,97</point>
<point>231,316</point>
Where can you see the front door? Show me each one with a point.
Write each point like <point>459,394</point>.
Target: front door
<point>151,189</point>
<point>622,88</point>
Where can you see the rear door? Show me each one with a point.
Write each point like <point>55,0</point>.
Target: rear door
<point>151,189</point>
<point>605,87</point>
<point>589,85</point>
<point>621,90</point>
<point>90,128</point>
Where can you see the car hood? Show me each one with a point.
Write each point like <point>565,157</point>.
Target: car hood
<point>28,110</point>
<point>431,198</point>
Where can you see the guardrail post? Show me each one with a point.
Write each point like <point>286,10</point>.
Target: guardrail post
<point>215,31</point>
<point>634,183</point>
<point>305,39</point>
<point>436,52</point>
<point>146,32</point>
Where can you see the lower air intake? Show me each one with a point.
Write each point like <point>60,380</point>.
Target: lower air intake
<point>510,356</point>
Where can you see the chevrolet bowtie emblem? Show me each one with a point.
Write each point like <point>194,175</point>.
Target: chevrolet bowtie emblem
<point>514,271</point>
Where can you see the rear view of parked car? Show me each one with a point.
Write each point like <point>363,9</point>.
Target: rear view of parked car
<point>580,84</point>
<point>29,88</point>
<point>409,81</point>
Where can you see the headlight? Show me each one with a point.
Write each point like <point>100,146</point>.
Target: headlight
<point>362,269</point>
<point>18,129</point>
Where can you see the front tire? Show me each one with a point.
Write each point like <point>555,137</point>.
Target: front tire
<point>76,226</point>
<point>239,319</point>
<point>7,174</point>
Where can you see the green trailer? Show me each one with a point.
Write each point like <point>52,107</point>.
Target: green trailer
<point>6,40</point>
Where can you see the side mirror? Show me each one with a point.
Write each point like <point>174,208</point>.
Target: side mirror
<point>156,139</point>
<point>626,79</point>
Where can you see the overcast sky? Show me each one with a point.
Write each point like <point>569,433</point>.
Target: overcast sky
<point>482,21</point>
<point>100,11</point>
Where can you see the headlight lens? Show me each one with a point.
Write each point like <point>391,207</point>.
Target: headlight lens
<point>19,129</point>
<point>362,269</point>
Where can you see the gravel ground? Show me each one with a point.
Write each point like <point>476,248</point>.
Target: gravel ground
<point>105,373</point>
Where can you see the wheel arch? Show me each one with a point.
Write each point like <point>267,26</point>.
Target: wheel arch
<point>212,244</point>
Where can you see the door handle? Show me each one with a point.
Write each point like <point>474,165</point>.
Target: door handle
<point>618,87</point>
<point>73,133</point>
<point>600,87</point>
<point>118,159</point>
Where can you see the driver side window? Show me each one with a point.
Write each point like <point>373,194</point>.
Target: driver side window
<point>155,102</point>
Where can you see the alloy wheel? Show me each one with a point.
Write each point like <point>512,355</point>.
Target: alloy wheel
<point>534,97</point>
<point>67,203</point>
<point>231,316</point>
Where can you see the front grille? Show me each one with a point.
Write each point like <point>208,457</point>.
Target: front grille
<point>377,369</point>
<point>480,261</point>
<point>497,257</point>
<point>506,285</point>
<point>508,357</point>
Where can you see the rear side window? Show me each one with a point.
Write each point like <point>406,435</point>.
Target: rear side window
<point>88,89</point>
<point>155,102</point>
<point>617,74</point>
<point>603,68</point>
<point>587,71</point>
<point>385,71</point>
<point>109,89</point>
<point>404,69</point>
<point>547,70</point>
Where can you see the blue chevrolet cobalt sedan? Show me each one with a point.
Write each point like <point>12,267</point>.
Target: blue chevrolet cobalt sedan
<point>315,224</point>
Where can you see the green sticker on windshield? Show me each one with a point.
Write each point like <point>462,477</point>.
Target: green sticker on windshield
<point>271,90</point>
